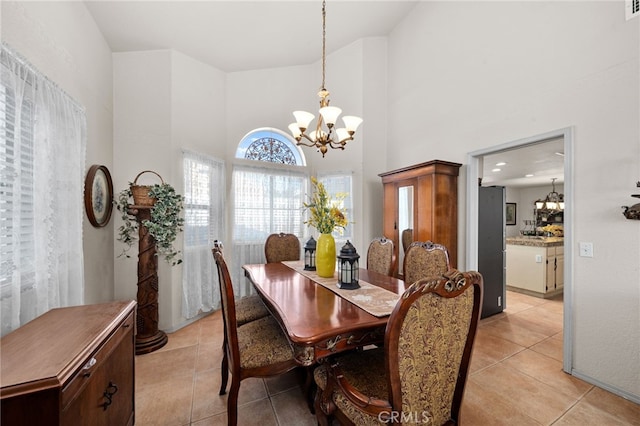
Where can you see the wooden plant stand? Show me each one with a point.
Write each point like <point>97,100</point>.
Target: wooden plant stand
<point>148,337</point>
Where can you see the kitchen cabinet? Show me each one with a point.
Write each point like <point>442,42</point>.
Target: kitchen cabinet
<point>71,366</point>
<point>535,266</point>
<point>421,204</point>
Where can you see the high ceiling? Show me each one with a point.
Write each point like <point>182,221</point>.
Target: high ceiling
<point>244,35</point>
<point>239,35</point>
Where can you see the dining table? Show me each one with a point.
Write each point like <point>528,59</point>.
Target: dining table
<point>319,318</point>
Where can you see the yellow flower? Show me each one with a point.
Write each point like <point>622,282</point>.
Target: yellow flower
<point>324,214</point>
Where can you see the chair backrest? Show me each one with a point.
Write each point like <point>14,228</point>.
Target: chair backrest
<point>428,343</point>
<point>380,256</point>
<point>227,298</point>
<point>424,260</point>
<point>407,239</point>
<point>281,247</point>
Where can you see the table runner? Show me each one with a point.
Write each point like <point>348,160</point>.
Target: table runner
<point>375,300</point>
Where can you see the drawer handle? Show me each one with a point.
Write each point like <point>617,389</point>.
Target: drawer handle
<point>112,389</point>
<point>88,366</point>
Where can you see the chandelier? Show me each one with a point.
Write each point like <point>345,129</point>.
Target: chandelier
<point>553,201</point>
<point>321,138</point>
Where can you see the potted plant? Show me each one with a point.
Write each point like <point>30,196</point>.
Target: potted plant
<point>164,224</point>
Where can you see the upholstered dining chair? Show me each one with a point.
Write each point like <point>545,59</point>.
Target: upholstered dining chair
<point>420,374</point>
<point>256,349</point>
<point>281,247</point>
<point>423,260</point>
<point>380,256</point>
<point>249,308</point>
<point>407,239</point>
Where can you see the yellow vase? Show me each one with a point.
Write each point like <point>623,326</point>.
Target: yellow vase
<point>325,256</point>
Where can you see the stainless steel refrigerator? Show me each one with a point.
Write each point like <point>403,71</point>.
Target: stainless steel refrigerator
<point>491,248</point>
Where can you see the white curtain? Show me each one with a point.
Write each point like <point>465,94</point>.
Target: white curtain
<point>42,154</point>
<point>265,201</point>
<point>204,194</point>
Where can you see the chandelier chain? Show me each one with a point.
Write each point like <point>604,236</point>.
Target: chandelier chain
<point>324,37</point>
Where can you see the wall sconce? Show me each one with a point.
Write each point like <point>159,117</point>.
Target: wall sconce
<point>310,255</point>
<point>633,212</point>
<point>348,267</point>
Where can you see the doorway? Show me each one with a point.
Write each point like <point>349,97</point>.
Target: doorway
<point>474,172</point>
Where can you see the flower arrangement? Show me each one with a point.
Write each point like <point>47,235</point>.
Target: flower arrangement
<point>326,215</point>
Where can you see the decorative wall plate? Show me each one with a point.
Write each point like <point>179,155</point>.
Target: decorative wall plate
<point>98,195</point>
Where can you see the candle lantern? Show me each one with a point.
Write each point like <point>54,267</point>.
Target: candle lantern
<point>348,267</point>
<point>310,255</point>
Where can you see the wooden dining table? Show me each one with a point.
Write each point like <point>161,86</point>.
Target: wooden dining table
<point>318,321</point>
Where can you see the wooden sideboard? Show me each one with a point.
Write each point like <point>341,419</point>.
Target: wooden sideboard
<point>423,200</point>
<point>71,366</point>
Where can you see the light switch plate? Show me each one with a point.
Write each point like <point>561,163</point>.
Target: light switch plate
<point>586,249</point>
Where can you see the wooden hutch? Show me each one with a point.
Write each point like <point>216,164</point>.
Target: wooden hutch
<point>423,201</point>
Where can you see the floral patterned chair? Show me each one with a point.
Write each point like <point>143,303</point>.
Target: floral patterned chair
<point>281,247</point>
<point>256,349</point>
<point>380,256</point>
<point>425,259</point>
<point>420,374</point>
<point>407,239</point>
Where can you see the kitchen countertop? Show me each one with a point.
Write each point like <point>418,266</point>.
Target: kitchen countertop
<point>536,241</point>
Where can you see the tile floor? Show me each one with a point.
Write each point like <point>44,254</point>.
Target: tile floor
<point>516,378</point>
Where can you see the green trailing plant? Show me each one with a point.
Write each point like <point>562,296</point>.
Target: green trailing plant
<point>164,225</point>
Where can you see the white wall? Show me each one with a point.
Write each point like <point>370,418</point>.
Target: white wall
<point>466,76</point>
<point>164,102</point>
<point>46,34</point>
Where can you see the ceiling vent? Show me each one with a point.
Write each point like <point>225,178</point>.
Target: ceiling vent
<point>632,8</point>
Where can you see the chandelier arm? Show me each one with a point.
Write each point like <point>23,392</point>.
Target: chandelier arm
<point>301,142</point>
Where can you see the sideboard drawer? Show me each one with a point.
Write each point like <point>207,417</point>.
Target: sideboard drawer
<point>97,359</point>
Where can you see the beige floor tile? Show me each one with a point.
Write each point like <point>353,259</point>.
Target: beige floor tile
<point>551,347</point>
<point>284,382</point>
<point>187,336</point>
<point>206,399</point>
<point>482,407</point>
<point>165,403</point>
<point>549,371</point>
<point>523,393</point>
<point>489,349</point>
<point>257,413</point>
<point>212,330</point>
<point>599,403</point>
<point>516,330</point>
<point>159,366</point>
<point>209,356</point>
<point>291,408</point>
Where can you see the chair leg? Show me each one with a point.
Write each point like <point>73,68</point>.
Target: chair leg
<point>310,387</point>
<point>232,403</point>
<point>321,417</point>
<point>224,368</point>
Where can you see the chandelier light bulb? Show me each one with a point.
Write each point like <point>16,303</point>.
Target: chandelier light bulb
<point>330,114</point>
<point>303,118</point>
<point>351,122</point>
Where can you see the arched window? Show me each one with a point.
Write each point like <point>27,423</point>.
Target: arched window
<point>270,145</point>
<point>267,195</point>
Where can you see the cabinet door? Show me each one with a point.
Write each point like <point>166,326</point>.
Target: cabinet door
<point>550,282</point>
<point>559,270</point>
<point>107,398</point>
